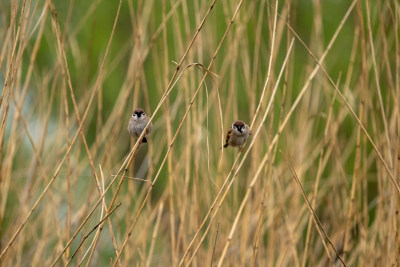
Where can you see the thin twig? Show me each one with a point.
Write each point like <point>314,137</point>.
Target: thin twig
<point>215,244</point>
<point>91,231</point>
<point>317,222</point>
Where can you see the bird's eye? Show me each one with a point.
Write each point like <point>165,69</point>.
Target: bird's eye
<point>143,114</point>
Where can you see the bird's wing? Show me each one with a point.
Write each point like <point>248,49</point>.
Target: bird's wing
<point>228,136</point>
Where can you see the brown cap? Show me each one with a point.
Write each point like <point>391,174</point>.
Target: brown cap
<point>138,111</point>
<point>239,123</point>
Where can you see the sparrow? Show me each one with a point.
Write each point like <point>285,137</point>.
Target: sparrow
<point>238,134</point>
<point>137,123</point>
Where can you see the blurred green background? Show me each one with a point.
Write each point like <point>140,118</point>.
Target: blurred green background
<point>141,61</point>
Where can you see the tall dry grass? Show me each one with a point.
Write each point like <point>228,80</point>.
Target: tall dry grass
<point>317,183</point>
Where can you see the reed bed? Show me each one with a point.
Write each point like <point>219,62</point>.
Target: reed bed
<point>317,183</point>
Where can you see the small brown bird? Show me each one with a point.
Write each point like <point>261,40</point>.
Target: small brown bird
<point>137,123</point>
<point>238,134</point>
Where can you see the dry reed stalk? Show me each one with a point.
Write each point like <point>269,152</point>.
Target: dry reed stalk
<point>271,225</point>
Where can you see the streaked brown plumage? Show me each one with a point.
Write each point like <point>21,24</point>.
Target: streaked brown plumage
<point>238,134</point>
<point>137,123</point>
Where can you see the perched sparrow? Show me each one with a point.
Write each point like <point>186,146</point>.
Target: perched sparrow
<point>137,123</point>
<point>238,134</point>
